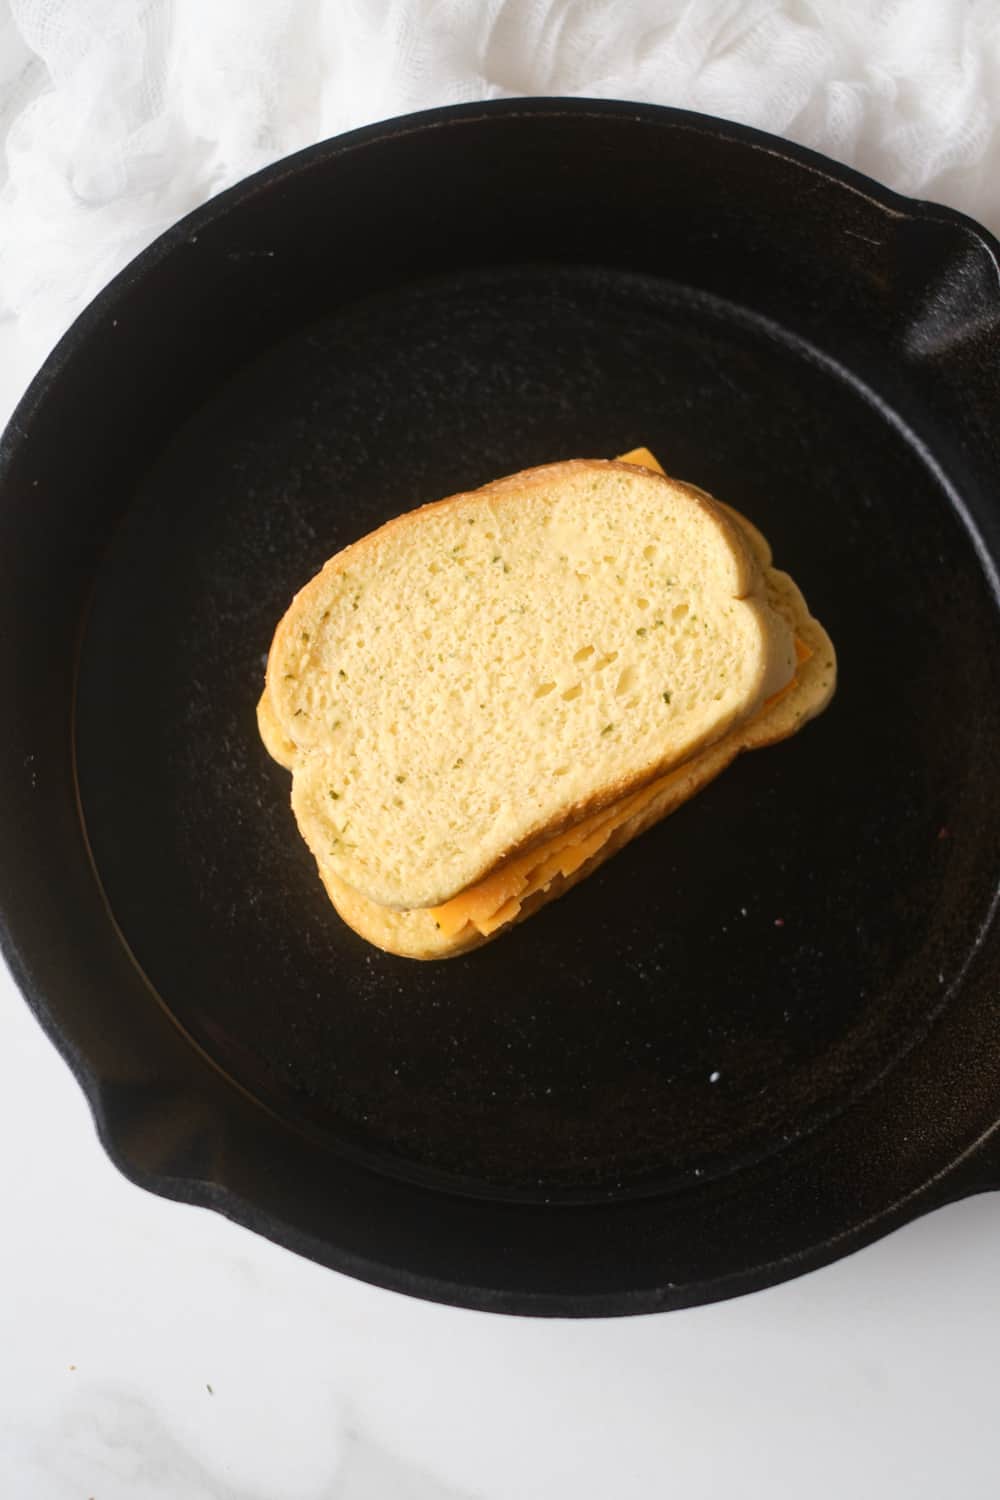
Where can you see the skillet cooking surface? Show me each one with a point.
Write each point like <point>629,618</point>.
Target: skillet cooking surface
<point>576,1053</point>
<point>763,1033</point>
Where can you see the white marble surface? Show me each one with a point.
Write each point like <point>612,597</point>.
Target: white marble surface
<point>149,1349</point>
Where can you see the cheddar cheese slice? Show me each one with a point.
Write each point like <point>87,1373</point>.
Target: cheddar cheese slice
<point>643,459</point>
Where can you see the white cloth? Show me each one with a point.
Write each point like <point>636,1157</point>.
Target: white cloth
<point>121,115</point>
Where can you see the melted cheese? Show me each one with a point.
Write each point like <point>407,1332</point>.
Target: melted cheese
<point>498,899</point>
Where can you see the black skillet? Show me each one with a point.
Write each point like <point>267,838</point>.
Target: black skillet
<point>767,1033</point>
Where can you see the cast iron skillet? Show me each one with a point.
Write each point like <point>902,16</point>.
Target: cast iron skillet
<point>765,1034</point>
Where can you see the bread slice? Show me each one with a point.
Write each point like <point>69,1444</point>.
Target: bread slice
<point>482,674</point>
<point>418,934</point>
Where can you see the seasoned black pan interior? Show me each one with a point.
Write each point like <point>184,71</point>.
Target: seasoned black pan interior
<point>791,931</point>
